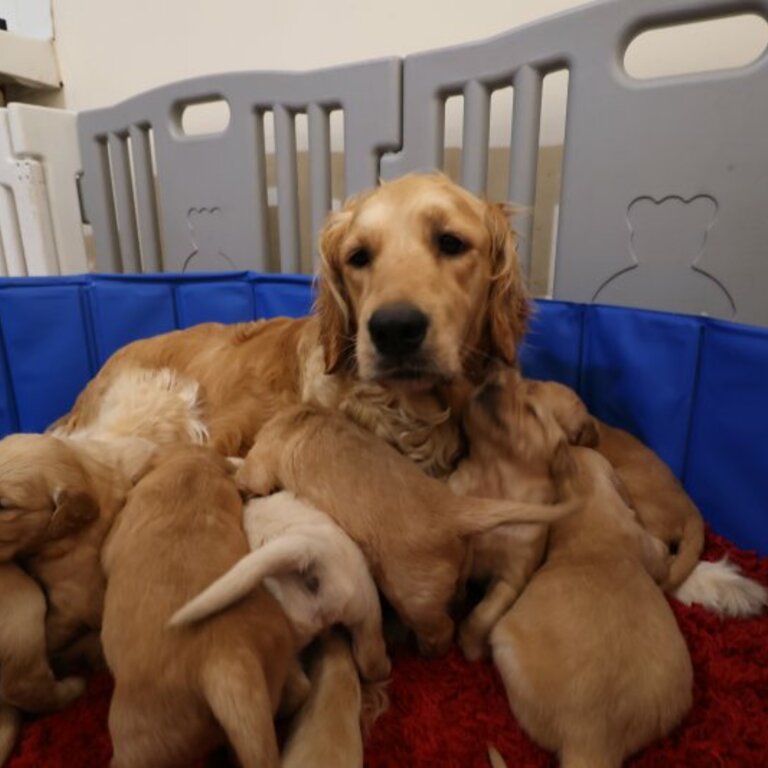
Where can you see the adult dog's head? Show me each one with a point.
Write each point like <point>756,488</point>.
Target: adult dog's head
<point>420,283</point>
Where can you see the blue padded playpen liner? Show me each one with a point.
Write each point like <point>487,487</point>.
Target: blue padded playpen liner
<point>695,389</point>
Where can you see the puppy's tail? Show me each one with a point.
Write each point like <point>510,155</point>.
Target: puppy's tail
<point>475,515</point>
<point>688,553</point>
<point>495,758</point>
<point>722,588</point>
<point>10,722</point>
<point>284,555</point>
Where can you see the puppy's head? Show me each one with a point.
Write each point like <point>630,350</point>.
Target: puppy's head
<point>45,493</point>
<point>419,283</point>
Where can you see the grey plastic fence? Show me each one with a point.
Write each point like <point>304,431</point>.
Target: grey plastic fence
<point>204,197</point>
<point>664,199</point>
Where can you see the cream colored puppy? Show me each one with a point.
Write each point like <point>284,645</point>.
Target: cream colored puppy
<point>313,568</point>
<point>594,664</point>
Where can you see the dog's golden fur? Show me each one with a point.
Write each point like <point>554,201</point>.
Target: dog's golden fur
<point>664,508</point>
<point>510,432</point>
<point>412,530</point>
<point>594,664</point>
<point>475,301</point>
<point>179,691</point>
<point>59,498</point>
<point>327,730</point>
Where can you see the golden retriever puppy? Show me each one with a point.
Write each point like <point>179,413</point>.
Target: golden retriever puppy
<point>180,691</point>
<point>661,503</point>
<point>327,731</point>
<point>592,659</point>
<point>26,679</point>
<point>412,530</point>
<point>420,289</point>
<point>316,572</point>
<point>510,437</point>
<point>59,500</point>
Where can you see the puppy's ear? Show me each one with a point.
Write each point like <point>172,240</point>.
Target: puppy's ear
<point>74,510</point>
<point>332,303</point>
<point>136,458</point>
<point>508,307</point>
<point>587,435</point>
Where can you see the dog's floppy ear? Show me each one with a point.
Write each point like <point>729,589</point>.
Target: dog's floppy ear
<point>332,305</point>
<point>508,308</point>
<point>74,510</point>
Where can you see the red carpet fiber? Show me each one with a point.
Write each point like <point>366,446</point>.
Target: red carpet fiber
<point>444,712</point>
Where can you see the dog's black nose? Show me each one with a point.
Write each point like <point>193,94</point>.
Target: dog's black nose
<point>398,329</point>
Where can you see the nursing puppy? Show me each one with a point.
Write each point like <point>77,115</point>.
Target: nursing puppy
<point>510,435</point>
<point>179,691</point>
<point>327,729</point>
<point>664,509</point>
<point>313,568</point>
<point>412,530</point>
<point>591,656</point>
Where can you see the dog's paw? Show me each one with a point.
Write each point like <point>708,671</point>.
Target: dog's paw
<point>471,644</point>
<point>69,689</point>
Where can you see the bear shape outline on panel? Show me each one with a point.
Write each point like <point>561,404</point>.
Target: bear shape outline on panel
<point>206,233</point>
<point>667,240</point>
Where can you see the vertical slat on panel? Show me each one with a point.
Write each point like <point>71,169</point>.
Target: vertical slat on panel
<point>319,170</point>
<point>10,234</point>
<point>100,205</point>
<point>287,190</point>
<point>474,156</point>
<point>126,212</point>
<point>146,200</point>
<point>261,212</point>
<point>524,156</point>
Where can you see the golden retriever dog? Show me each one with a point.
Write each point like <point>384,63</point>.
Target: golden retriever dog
<point>154,404</point>
<point>26,679</point>
<point>327,730</point>
<point>592,659</point>
<point>316,572</point>
<point>412,530</point>
<point>58,499</point>
<point>663,507</point>
<point>510,435</point>
<point>182,691</point>
<point>419,290</point>
<point>667,512</point>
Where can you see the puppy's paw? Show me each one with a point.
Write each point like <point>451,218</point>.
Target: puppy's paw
<point>255,478</point>
<point>69,689</point>
<point>375,668</point>
<point>472,645</point>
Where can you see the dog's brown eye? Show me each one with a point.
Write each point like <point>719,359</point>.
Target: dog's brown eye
<point>359,258</point>
<point>450,245</point>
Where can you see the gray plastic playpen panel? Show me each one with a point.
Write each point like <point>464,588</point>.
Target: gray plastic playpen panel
<point>204,203</point>
<point>664,200</point>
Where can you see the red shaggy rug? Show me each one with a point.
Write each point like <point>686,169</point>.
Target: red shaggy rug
<point>443,713</point>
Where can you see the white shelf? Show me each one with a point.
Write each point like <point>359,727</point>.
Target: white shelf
<point>28,61</point>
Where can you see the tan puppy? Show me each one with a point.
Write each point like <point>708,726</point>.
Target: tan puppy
<point>664,508</point>
<point>315,571</point>
<point>26,679</point>
<point>591,656</point>
<point>326,731</point>
<point>510,437</point>
<point>411,528</point>
<point>179,691</point>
